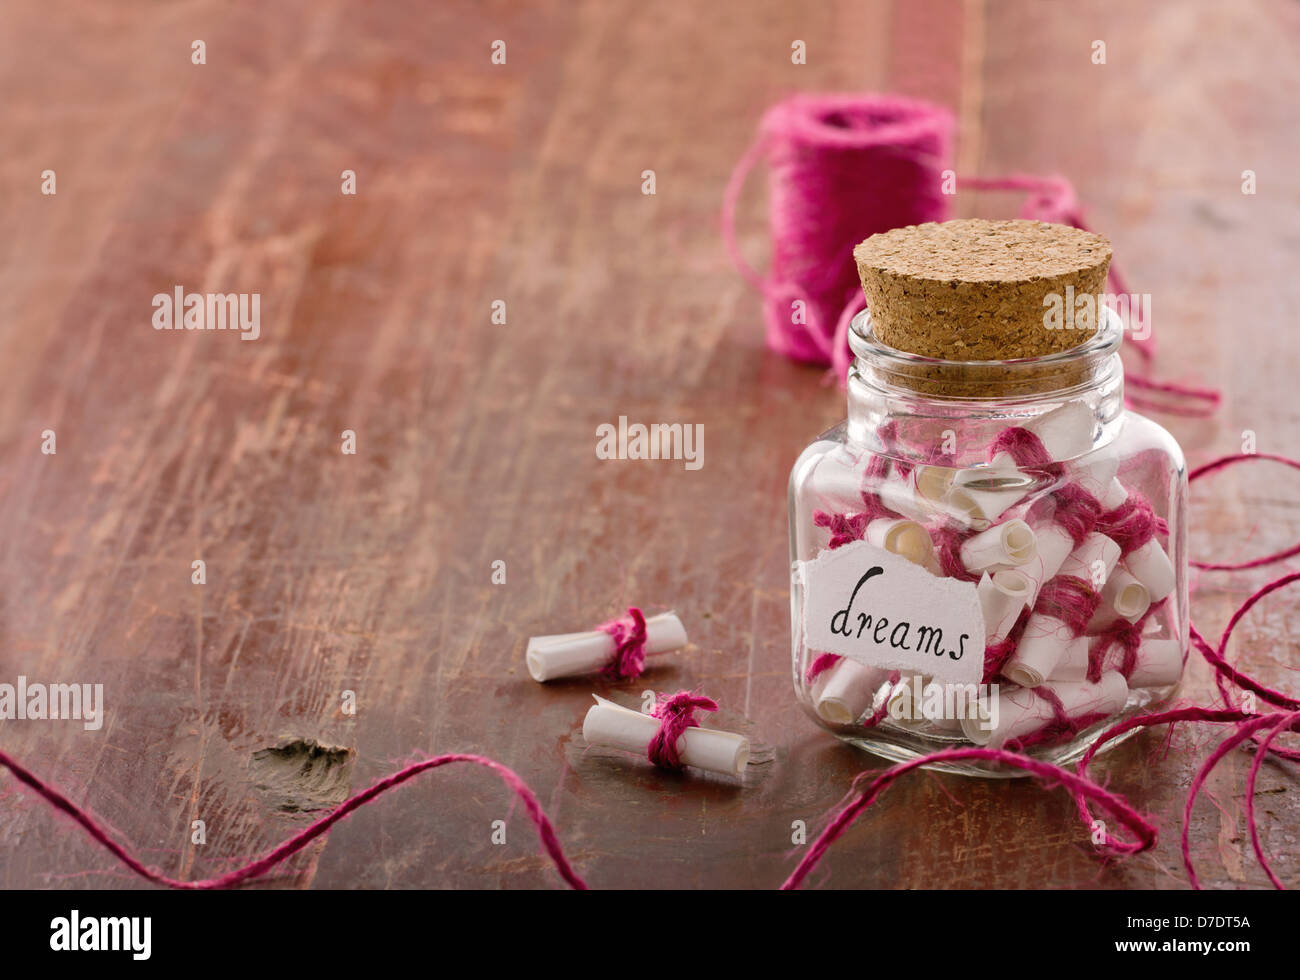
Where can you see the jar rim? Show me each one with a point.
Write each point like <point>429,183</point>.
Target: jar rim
<point>1106,341</point>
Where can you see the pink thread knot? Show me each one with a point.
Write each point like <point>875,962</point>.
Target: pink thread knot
<point>1026,449</point>
<point>1076,511</point>
<point>675,714</point>
<point>823,663</point>
<point>1061,726</point>
<point>1130,525</point>
<point>1123,634</point>
<point>844,528</point>
<point>948,540</point>
<point>1069,599</point>
<point>629,636</point>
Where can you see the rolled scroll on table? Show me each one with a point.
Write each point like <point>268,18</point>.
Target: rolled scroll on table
<point>617,727</point>
<point>571,654</point>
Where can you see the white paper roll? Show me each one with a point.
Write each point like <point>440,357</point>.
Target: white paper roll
<point>1095,472</point>
<point>1002,596</point>
<point>1115,495</point>
<point>1022,712</point>
<point>1159,663</point>
<point>571,654</point>
<point>1151,566</point>
<point>843,693</point>
<point>1010,543</point>
<point>1052,545</point>
<point>1066,431</point>
<point>615,726</point>
<point>1042,646</point>
<point>903,537</point>
<point>1093,561</point>
<point>988,492</point>
<point>1073,665</point>
<point>1126,595</point>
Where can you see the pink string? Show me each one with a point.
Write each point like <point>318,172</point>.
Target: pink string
<point>819,666</point>
<point>545,831</point>
<point>676,713</point>
<point>1049,774</point>
<point>1222,463</point>
<point>628,660</point>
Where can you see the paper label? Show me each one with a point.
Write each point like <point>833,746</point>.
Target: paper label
<point>881,610</point>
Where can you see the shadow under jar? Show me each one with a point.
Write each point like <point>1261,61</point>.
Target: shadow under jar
<point>1028,541</point>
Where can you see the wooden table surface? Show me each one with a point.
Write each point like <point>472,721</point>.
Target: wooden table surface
<point>371,573</point>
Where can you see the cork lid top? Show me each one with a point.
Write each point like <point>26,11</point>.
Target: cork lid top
<point>976,250</point>
<point>978,290</point>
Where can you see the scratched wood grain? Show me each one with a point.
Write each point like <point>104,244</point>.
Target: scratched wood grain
<point>371,573</point>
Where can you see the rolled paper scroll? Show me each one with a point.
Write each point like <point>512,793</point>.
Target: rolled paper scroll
<point>1095,472</point>
<point>1052,545</point>
<point>1003,595</point>
<point>1044,644</point>
<point>1073,665</point>
<point>845,692</point>
<point>1151,566</point>
<point>1021,712</point>
<point>902,496</point>
<point>1159,663</point>
<point>1010,543</point>
<point>985,493</point>
<point>617,727</point>
<point>1046,639</point>
<point>1066,431</point>
<point>1093,561</point>
<point>1127,596</point>
<point>1115,494</point>
<point>905,538</point>
<point>571,654</point>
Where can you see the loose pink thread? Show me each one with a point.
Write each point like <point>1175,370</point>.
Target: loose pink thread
<point>676,713</point>
<point>628,660</point>
<point>545,831</point>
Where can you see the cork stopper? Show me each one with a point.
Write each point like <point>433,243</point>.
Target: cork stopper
<point>977,290</point>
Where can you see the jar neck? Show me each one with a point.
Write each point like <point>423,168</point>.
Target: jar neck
<point>953,410</point>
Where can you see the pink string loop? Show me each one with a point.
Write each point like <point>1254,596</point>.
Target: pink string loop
<point>545,831</point>
<point>1123,634</point>
<point>844,528</point>
<point>676,714</point>
<point>1069,599</point>
<point>1045,772</point>
<point>628,660</point>
<point>1130,525</point>
<point>948,538</point>
<point>819,666</point>
<point>1025,449</point>
<point>1076,511</point>
<point>1222,463</point>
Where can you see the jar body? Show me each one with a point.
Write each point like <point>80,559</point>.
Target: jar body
<point>1059,519</point>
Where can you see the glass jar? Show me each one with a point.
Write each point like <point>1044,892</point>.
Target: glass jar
<point>1013,506</point>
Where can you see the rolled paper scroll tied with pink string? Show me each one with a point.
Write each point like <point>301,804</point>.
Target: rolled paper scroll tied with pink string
<point>616,650</point>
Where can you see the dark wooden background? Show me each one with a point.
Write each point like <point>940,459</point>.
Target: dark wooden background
<point>372,573</point>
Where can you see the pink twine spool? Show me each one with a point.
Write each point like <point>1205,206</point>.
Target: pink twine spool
<point>842,167</point>
<point>676,713</point>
